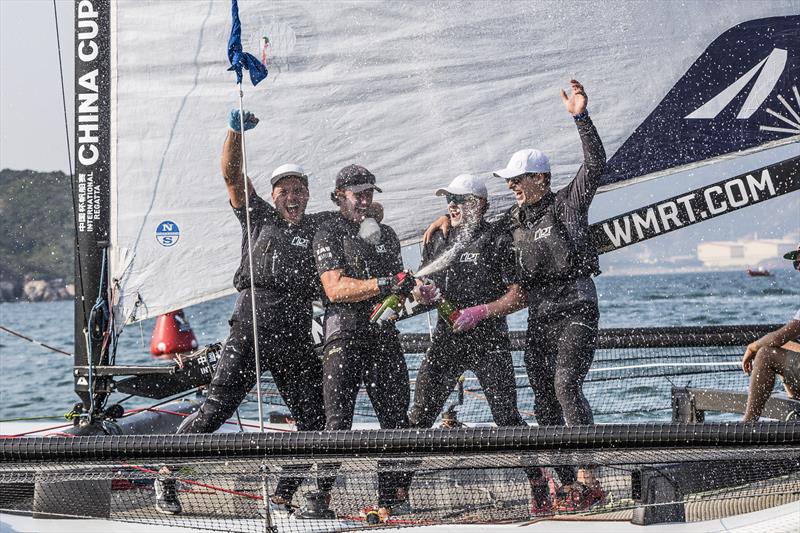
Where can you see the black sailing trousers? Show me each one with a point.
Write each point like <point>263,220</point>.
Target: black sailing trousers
<point>377,361</point>
<point>296,369</point>
<point>449,356</point>
<point>558,354</point>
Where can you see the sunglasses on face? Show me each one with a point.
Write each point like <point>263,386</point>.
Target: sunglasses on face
<point>457,198</point>
<point>515,180</point>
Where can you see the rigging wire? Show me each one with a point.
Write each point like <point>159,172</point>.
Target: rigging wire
<point>79,273</point>
<point>34,341</point>
<point>245,181</point>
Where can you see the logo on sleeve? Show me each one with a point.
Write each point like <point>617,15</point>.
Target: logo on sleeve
<point>381,248</point>
<point>324,253</point>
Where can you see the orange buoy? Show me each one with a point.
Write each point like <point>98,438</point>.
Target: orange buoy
<point>172,334</point>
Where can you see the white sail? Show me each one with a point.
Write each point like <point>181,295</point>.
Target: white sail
<point>416,92</point>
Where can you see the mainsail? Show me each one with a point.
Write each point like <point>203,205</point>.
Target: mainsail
<point>417,93</point>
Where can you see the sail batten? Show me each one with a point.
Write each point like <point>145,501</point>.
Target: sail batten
<point>417,94</point>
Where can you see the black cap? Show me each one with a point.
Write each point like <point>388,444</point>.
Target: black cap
<point>792,256</point>
<point>356,178</point>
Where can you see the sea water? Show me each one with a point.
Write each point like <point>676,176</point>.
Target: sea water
<point>36,382</point>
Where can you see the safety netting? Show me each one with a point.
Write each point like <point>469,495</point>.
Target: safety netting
<point>650,469</point>
<point>648,472</point>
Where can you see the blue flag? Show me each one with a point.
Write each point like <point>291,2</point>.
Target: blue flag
<point>239,59</point>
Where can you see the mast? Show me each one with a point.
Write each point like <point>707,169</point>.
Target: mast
<point>91,197</point>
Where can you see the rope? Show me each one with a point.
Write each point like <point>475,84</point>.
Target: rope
<point>33,341</point>
<point>250,262</point>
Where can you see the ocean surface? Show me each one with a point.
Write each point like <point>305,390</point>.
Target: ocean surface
<point>36,382</point>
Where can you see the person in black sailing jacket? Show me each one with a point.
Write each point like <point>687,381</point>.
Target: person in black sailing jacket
<point>555,262</point>
<point>286,284</point>
<point>480,270</point>
<point>359,264</point>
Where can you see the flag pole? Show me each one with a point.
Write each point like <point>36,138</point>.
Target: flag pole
<point>250,262</point>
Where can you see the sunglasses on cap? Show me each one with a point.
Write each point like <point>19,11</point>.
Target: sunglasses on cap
<point>457,198</point>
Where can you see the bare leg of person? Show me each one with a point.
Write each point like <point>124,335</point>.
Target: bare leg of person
<point>768,362</point>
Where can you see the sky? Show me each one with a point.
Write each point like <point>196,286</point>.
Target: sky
<point>31,113</point>
<point>33,133</point>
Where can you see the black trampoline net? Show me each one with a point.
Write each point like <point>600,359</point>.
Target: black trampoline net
<point>228,494</point>
<point>523,475</point>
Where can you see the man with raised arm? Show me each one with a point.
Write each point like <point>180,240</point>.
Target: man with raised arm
<point>774,354</point>
<point>286,283</point>
<point>555,260</point>
<point>360,265</point>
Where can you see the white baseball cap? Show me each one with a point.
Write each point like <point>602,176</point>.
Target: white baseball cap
<point>289,169</point>
<point>465,184</point>
<point>528,161</point>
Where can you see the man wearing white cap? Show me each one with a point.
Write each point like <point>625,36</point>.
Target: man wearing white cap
<point>477,267</point>
<point>286,283</point>
<point>555,259</point>
<point>480,269</point>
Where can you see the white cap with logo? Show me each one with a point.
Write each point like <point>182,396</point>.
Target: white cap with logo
<point>528,161</point>
<point>465,184</point>
<point>289,169</point>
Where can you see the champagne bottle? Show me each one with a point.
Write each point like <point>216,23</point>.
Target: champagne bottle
<point>388,309</point>
<point>448,312</point>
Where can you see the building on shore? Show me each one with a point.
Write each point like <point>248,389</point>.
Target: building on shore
<point>744,253</point>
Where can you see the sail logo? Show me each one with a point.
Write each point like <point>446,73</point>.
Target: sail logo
<point>168,233</point>
<point>769,71</point>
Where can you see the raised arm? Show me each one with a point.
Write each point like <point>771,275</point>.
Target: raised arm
<point>583,187</point>
<point>231,160</point>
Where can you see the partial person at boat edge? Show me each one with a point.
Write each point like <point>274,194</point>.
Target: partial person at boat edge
<point>481,270</point>
<point>286,284</point>
<point>555,261</point>
<point>774,354</point>
<point>359,264</point>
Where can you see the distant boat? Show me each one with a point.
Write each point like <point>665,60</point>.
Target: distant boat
<point>761,272</point>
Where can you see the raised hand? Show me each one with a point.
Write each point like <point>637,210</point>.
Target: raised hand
<point>234,122</point>
<point>575,102</point>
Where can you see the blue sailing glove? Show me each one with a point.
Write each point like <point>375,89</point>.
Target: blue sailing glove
<point>250,120</point>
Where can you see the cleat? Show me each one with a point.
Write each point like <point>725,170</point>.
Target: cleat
<point>579,497</point>
<point>167,501</point>
<point>316,507</point>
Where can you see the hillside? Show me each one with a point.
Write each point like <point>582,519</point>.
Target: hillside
<point>36,226</point>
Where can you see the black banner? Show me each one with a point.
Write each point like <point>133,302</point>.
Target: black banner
<point>92,173</point>
<point>696,206</point>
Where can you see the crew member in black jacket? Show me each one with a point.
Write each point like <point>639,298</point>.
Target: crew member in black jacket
<point>359,264</point>
<point>286,283</point>
<point>480,269</point>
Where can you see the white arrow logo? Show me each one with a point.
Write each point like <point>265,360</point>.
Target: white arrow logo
<point>771,68</point>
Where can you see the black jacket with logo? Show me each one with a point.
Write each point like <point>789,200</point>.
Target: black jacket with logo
<point>552,241</point>
<point>480,269</point>
<point>338,246</point>
<point>286,279</point>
